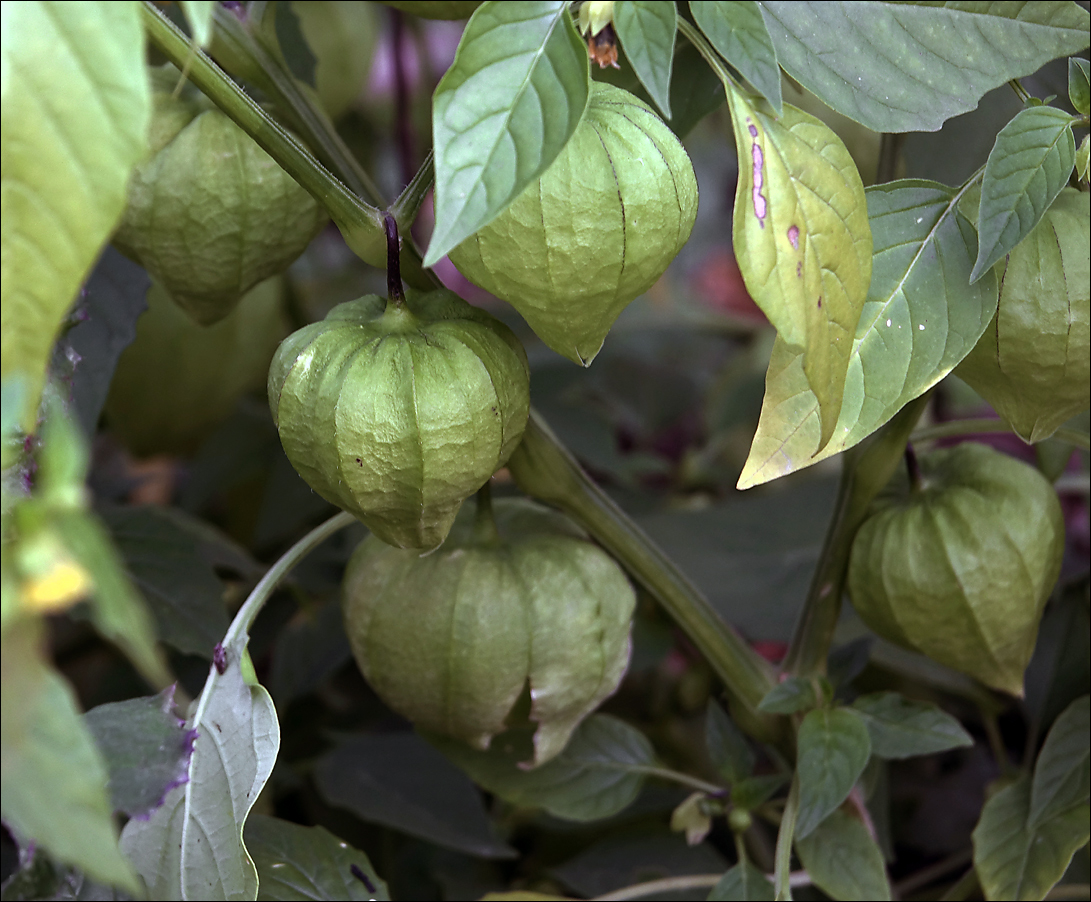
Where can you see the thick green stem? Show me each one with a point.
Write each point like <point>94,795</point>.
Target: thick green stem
<point>543,467</point>
<point>782,871</point>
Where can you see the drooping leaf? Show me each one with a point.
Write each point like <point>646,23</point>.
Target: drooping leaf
<point>1027,168</point>
<point>901,728</point>
<point>308,863</point>
<point>844,860</point>
<point>398,780</point>
<point>146,749</point>
<point>737,31</point>
<point>1079,85</point>
<point>727,747</point>
<point>834,748</point>
<point>598,774</point>
<point>199,17</point>
<point>70,133</point>
<point>922,317</point>
<point>503,111</point>
<point>792,695</point>
<point>1083,157</point>
<point>54,781</point>
<point>907,67</point>
<point>742,882</point>
<point>802,239</point>
<point>646,31</point>
<point>192,846</point>
<point>1015,861</point>
<point>1062,774</point>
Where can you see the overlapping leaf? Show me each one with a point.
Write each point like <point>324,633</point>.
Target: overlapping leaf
<point>898,67</point>
<point>844,861</point>
<point>802,239</point>
<point>1062,774</point>
<point>902,728</point>
<point>738,32</point>
<point>834,749</point>
<point>646,30</point>
<point>503,111</point>
<point>743,882</point>
<point>922,317</point>
<point>1079,85</point>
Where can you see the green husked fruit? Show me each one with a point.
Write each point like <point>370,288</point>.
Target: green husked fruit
<point>210,214</point>
<point>451,640</point>
<point>961,568</point>
<point>1033,364</point>
<point>177,381</point>
<point>595,231</point>
<point>398,414</point>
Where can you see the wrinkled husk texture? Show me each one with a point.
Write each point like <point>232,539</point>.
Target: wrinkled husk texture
<point>961,570</point>
<point>451,640</point>
<point>399,414</point>
<point>595,231</point>
<point>210,214</point>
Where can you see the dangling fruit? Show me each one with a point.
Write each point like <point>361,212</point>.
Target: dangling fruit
<point>210,214</point>
<point>452,640</point>
<point>1032,363</point>
<point>398,412</point>
<point>960,567</point>
<point>595,231</point>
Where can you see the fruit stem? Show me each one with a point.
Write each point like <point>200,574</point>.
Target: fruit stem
<point>913,468</point>
<point>394,290</point>
<point>485,531</point>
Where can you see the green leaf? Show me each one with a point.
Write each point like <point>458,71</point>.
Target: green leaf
<point>742,882</point>
<point>199,18</point>
<point>646,31</point>
<point>503,111</point>
<point>1027,168</point>
<point>1014,861</point>
<point>902,728</point>
<point>1062,774</point>
<point>305,863</point>
<point>907,67</point>
<point>146,749</point>
<point>843,859</point>
<point>738,32</point>
<point>598,774</point>
<point>748,794</point>
<point>792,695</point>
<point>54,781</point>
<point>1083,157</point>
<point>398,780</point>
<point>76,106</point>
<point>834,749</point>
<point>1079,85</point>
<point>727,746</point>
<point>921,318</point>
<point>192,846</point>
<point>802,239</point>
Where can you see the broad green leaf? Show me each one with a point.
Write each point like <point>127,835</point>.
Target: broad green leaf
<point>1062,774</point>
<point>646,30</point>
<point>921,318</point>
<point>1027,168</point>
<point>738,32</point>
<point>802,239</point>
<point>742,882</point>
<point>146,749</point>
<point>1079,85</point>
<point>834,749</point>
<point>308,863</point>
<point>199,17</point>
<point>501,114</point>
<point>902,728</point>
<point>54,781</point>
<point>909,67</point>
<point>843,859</point>
<point>1083,156</point>
<point>727,746</point>
<point>192,846</point>
<point>76,106</point>
<point>398,780</point>
<point>598,774</point>
<point>792,695</point>
<point>1014,861</point>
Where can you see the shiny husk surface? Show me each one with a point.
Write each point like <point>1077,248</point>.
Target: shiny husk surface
<point>451,640</point>
<point>1033,364</point>
<point>595,231</point>
<point>961,569</point>
<point>210,214</point>
<point>398,414</point>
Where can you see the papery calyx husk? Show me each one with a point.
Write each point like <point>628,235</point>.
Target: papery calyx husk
<point>961,568</point>
<point>451,640</point>
<point>1033,363</point>
<point>597,229</point>
<point>399,413</point>
<point>210,214</point>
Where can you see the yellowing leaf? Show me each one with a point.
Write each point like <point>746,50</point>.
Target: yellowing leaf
<point>802,240</point>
